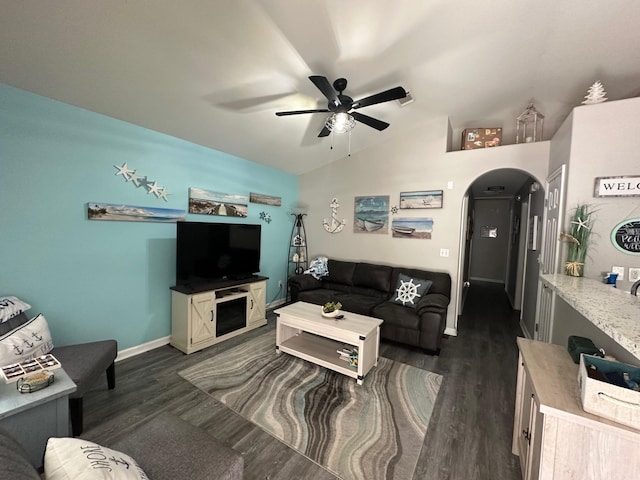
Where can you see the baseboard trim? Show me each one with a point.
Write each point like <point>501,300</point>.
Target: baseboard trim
<point>524,330</point>
<point>145,347</point>
<point>276,303</point>
<point>489,280</point>
<point>451,331</point>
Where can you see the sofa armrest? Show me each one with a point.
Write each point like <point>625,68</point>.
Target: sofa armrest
<point>305,282</point>
<point>300,283</point>
<point>432,302</point>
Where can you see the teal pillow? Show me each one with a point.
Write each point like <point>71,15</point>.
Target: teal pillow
<point>409,291</point>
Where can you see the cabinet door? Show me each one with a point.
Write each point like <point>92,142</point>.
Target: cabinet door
<point>203,322</point>
<point>257,301</point>
<point>524,438</point>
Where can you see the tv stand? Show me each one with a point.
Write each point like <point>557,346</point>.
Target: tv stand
<point>205,314</point>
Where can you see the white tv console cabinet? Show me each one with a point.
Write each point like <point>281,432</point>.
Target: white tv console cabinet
<point>215,312</point>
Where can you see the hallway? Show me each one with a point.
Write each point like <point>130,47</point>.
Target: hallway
<point>469,437</point>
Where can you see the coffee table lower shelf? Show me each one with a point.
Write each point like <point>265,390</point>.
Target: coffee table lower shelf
<point>319,350</point>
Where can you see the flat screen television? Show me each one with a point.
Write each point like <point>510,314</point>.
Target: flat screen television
<point>206,252</point>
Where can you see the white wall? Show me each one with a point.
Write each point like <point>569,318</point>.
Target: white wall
<point>605,142</point>
<point>415,160</point>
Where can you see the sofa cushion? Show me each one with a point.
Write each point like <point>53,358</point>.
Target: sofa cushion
<point>361,304</point>
<point>29,340</point>
<point>319,296</point>
<point>340,272</point>
<point>397,316</point>
<point>409,291</point>
<point>71,458</point>
<point>377,277</point>
<point>84,372</point>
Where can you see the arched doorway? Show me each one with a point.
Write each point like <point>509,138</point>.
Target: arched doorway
<point>502,208</point>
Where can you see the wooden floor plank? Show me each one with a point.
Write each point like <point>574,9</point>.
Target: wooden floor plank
<point>469,436</point>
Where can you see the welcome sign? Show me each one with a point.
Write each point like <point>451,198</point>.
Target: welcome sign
<point>617,187</point>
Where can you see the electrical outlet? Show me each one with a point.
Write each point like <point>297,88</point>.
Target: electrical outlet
<point>279,283</point>
<point>619,271</point>
<point>444,252</point>
<point>634,274</point>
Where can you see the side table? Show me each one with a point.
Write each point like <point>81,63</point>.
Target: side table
<point>31,418</point>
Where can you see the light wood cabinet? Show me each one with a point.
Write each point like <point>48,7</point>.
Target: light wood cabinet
<point>204,318</point>
<point>257,303</point>
<point>553,436</point>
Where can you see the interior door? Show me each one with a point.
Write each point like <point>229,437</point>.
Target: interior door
<point>550,251</point>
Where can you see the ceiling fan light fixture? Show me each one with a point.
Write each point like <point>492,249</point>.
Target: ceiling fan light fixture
<point>340,122</point>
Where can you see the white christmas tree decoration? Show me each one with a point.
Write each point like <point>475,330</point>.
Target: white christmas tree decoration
<point>595,94</point>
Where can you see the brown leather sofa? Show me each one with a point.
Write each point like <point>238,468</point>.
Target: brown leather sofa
<point>367,289</point>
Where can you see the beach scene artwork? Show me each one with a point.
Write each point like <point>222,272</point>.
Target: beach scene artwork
<point>412,228</point>
<point>371,214</point>
<point>212,203</point>
<point>265,199</point>
<point>131,213</point>
<point>421,199</point>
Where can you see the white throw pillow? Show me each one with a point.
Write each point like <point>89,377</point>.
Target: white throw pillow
<point>74,458</point>
<point>29,340</point>
<point>10,307</point>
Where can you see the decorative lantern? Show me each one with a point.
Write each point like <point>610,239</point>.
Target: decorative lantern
<point>529,125</point>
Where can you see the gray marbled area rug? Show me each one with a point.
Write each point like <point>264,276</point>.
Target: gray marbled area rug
<point>370,431</point>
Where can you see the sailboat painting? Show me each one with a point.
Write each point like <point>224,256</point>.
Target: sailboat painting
<point>371,214</point>
<point>412,228</point>
<point>422,199</point>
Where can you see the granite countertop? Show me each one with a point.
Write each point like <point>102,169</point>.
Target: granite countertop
<point>614,311</point>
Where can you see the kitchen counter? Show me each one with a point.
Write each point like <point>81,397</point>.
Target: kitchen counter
<point>614,311</point>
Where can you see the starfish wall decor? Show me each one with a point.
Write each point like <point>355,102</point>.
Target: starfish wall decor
<point>130,175</point>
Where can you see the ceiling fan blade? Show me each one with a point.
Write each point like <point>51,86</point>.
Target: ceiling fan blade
<point>324,132</point>
<point>298,112</point>
<point>386,96</point>
<point>325,87</point>
<point>367,120</point>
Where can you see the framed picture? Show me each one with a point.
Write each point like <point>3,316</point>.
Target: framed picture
<point>265,199</point>
<point>213,203</point>
<point>412,228</point>
<point>421,199</point>
<point>132,213</point>
<point>371,214</point>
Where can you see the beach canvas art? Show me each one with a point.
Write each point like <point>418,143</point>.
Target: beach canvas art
<point>212,203</point>
<point>131,213</point>
<point>412,227</point>
<point>371,214</point>
<point>421,199</point>
<point>265,199</point>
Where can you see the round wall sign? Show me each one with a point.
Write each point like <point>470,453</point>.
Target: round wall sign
<point>626,236</point>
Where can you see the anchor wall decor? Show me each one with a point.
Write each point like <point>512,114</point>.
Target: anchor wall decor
<point>336,225</point>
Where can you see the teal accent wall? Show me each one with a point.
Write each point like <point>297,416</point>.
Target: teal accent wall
<point>108,279</point>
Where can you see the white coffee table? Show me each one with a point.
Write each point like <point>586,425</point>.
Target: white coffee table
<point>302,331</point>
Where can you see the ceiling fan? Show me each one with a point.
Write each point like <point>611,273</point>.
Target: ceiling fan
<point>342,106</point>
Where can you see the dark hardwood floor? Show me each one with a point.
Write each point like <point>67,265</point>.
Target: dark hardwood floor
<point>469,436</point>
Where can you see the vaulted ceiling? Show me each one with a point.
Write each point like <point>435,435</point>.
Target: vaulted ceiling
<point>215,72</point>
